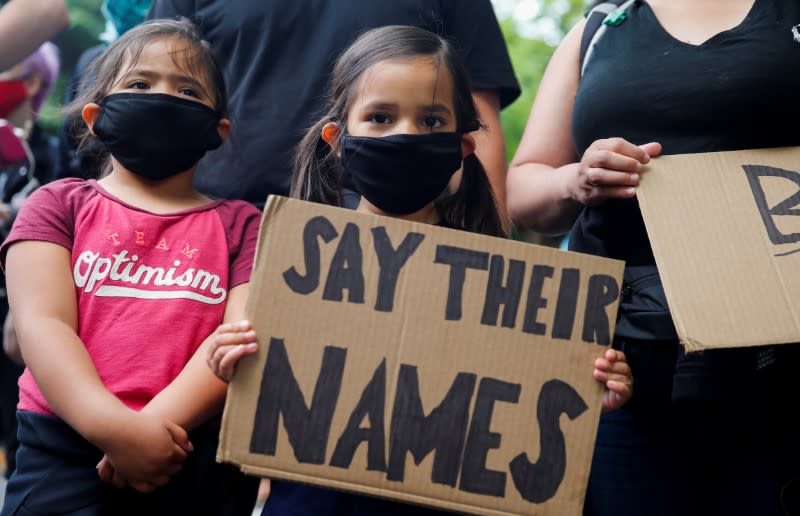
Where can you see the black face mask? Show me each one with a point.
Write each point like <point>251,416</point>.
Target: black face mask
<point>401,173</point>
<point>156,135</point>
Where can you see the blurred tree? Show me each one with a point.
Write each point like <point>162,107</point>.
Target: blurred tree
<point>530,44</point>
<point>530,54</point>
<point>86,24</point>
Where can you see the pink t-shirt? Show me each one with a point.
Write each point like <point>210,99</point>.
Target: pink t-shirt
<point>150,287</point>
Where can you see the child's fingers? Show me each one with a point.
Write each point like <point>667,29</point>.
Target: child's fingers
<point>616,395</point>
<point>612,366</point>
<point>232,339</point>
<point>612,401</point>
<point>234,327</point>
<point>117,480</point>
<point>224,359</point>
<point>620,386</point>
<point>228,362</point>
<point>181,439</point>
<point>614,355</point>
<point>145,487</point>
<point>105,470</point>
<point>222,343</point>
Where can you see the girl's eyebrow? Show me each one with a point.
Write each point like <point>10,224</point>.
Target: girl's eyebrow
<point>427,108</point>
<point>378,105</point>
<point>147,74</point>
<point>436,108</point>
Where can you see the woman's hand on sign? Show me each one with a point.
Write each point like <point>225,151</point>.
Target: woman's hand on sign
<point>610,169</point>
<point>230,343</point>
<point>613,371</point>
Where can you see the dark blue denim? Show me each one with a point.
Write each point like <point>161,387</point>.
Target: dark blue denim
<point>687,459</point>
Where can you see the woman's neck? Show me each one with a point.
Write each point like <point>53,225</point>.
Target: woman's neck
<point>427,215</point>
<point>697,21</point>
<point>168,195</point>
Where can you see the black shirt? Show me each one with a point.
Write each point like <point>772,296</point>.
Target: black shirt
<point>738,90</point>
<point>277,56</point>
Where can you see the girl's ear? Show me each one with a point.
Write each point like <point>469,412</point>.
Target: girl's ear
<point>467,145</point>
<point>89,113</point>
<point>224,128</point>
<point>330,133</point>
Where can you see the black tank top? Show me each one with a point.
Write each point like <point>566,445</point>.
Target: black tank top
<point>738,90</point>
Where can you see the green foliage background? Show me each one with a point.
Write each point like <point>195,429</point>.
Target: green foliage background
<point>530,55</point>
<point>86,24</point>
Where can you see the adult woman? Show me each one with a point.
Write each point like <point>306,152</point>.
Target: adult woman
<point>675,76</point>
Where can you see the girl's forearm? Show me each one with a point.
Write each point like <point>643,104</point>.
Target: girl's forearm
<point>197,395</point>
<point>194,397</point>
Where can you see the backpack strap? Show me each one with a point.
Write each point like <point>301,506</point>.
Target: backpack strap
<point>610,12</point>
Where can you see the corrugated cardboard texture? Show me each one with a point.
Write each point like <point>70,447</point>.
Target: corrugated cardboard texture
<point>725,232</point>
<point>517,393</point>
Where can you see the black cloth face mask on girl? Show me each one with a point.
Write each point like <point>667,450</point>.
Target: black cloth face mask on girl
<point>401,173</point>
<point>155,135</point>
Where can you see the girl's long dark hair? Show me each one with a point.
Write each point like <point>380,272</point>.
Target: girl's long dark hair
<point>317,170</point>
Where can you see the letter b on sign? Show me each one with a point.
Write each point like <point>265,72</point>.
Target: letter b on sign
<point>787,207</point>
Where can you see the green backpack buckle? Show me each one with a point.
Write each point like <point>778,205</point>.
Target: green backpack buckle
<point>615,18</point>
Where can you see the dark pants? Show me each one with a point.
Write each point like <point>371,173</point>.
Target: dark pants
<point>663,455</point>
<point>696,459</point>
<point>9,396</point>
<point>291,499</point>
<point>9,393</point>
<point>56,475</point>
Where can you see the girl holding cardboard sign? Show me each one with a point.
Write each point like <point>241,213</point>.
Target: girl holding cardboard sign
<point>399,125</point>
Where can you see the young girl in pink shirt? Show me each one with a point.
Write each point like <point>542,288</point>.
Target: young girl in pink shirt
<point>115,286</point>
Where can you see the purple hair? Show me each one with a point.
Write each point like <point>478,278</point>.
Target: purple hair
<point>45,62</point>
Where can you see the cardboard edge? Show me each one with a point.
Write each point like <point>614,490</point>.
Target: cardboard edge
<point>272,206</point>
<point>680,328</point>
<point>420,500</point>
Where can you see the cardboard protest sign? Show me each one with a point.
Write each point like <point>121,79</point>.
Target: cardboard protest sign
<point>725,231</point>
<point>420,363</point>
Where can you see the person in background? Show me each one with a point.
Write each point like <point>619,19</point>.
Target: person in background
<point>35,78</point>
<point>26,24</point>
<point>36,75</point>
<point>278,55</point>
<point>401,121</point>
<point>704,433</point>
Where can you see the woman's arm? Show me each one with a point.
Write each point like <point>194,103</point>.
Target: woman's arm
<point>197,394</point>
<point>548,183</point>
<point>26,24</point>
